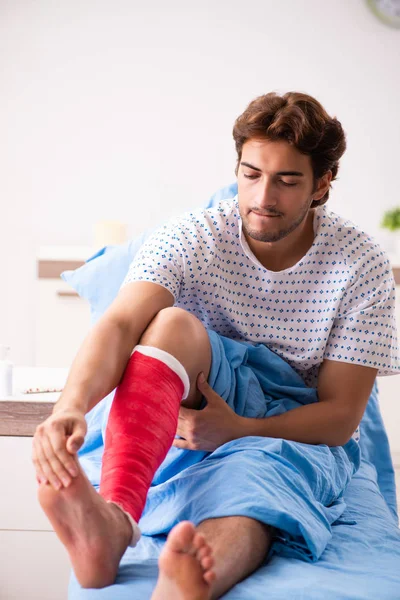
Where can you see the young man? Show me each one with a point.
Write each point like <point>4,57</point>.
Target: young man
<point>272,270</point>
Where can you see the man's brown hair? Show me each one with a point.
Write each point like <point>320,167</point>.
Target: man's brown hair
<point>300,120</point>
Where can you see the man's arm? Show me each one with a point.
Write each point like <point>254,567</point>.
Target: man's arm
<point>96,371</point>
<point>343,391</point>
<point>102,358</point>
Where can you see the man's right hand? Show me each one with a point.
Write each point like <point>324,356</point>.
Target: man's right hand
<point>55,444</point>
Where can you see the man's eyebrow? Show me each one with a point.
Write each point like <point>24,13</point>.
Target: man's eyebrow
<point>292,173</point>
<point>281,173</point>
<point>246,164</point>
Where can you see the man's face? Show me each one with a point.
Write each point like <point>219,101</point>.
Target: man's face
<point>275,186</point>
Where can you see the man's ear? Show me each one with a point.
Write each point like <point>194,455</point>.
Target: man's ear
<point>323,185</point>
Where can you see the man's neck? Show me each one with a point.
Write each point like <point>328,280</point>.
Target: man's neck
<point>277,256</point>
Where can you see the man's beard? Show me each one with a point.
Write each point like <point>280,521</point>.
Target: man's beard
<point>275,236</point>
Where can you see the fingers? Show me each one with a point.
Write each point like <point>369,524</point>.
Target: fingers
<point>56,438</point>
<point>53,459</point>
<point>40,476</point>
<point>182,428</point>
<point>76,440</point>
<point>205,388</point>
<point>202,383</point>
<point>54,463</point>
<point>43,466</point>
<point>187,423</point>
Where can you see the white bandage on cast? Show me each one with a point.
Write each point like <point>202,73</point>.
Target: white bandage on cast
<point>136,533</point>
<point>171,362</point>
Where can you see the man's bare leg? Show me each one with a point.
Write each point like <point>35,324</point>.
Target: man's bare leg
<point>239,546</point>
<point>181,334</point>
<point>186,566</point>
<point>94,532</point>
<point>234,547</point>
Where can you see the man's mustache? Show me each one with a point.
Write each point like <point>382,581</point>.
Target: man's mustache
<point>270,213</point>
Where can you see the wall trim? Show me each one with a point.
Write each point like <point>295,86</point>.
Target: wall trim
<point>52,269</point>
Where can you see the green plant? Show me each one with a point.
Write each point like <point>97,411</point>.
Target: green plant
<point>391,219</point>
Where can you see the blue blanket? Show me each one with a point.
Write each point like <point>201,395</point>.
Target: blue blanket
<point>361,562</point>
<point>295,487</point>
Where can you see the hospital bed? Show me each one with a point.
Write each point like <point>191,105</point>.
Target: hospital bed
<point>362,558</point>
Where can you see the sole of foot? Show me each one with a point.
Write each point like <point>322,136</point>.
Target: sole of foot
<point>185,565</point>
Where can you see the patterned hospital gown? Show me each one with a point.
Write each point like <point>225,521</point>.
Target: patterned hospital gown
<point>337,302</point>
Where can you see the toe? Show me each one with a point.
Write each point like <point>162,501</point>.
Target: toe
<point>203,552</point>
<point>207,563</point>
<point>181,537</point>
<point>209,577</point>
<point>198,541</point>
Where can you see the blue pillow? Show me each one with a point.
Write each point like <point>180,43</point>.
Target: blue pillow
<point>100,278</point>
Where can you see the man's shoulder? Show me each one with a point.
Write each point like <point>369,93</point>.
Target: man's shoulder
<point>212,221</point>
<point>355,247</point>
<point>198,233</point>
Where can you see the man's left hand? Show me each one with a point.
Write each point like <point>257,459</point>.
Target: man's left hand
<point>211,427</point>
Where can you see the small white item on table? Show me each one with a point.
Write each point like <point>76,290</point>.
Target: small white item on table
<point>38,384</point>
<point>41,390</point>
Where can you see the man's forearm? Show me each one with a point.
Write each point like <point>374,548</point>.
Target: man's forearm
<point>319,423</point>
<point>98,366</point>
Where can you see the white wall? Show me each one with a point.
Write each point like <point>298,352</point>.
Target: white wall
<point>124,110</point>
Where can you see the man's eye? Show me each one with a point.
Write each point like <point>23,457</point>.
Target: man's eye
<point>250,176</point>
<point>287,184</point>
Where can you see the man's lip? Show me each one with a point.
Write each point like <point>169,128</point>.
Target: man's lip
<point>260,215</point>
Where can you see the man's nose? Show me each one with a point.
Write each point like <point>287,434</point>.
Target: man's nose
<point>267,197</point>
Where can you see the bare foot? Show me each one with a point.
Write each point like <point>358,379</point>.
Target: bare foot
<point>94,532</point>
<point>186,566</point>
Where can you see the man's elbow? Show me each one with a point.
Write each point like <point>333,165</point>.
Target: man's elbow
<point>341,439</point>
<point>343,432</point>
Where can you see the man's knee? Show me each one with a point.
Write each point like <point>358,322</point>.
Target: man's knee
<point>175,323</point>
<point>174,317</point>
<point>182,334</point>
